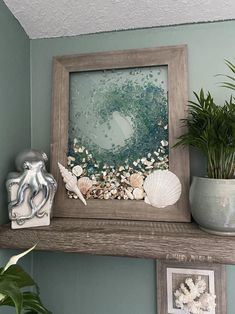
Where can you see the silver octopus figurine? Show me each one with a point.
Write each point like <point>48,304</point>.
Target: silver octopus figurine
<point>32,176</point>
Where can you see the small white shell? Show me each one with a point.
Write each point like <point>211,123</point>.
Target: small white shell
<point>138,194</point>
<point>136,180</point>
<point>77,170</point>
<point>84,184</point>
<point>114,191</point>
<point>106,196</point>
<point>163,188</point>
<point>70,182</point>
<point>129,194</point>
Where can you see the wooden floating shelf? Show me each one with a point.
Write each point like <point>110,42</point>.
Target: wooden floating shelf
<point>157,240</point>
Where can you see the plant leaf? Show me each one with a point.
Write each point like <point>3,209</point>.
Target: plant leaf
<point>230,65</point>
<point>211,129</point>
<point>12,292</point>
<point>16,274</point>
<point>230,84</point>
<point>31,304</point>
<point>14,259</point>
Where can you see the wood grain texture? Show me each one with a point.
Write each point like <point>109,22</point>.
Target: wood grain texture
<point>172,241</point>
<point>175,58</point>
<point>220,283</point>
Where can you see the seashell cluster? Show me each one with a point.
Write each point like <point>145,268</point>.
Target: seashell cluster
<point>100,180</point>
<point>109,189</point>
<point>70,181</point>
<point>163,188</point>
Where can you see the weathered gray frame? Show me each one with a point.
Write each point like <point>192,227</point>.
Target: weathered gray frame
<point>220,283</point>
<point>175,58</point>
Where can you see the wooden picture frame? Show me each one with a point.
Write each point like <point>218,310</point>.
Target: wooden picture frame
<point>170,274</point>
<point>175,58</point>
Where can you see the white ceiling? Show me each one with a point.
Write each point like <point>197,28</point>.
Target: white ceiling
<point>54,18</point>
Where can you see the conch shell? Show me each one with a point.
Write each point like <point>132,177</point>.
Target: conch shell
<point>70,181</point>
<point>163,188</point>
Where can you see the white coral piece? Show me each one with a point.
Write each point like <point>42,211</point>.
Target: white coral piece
<point>207,301</point>
<point>192,298</point>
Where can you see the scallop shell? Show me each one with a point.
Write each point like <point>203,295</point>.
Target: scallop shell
<point>136,180</point>
<point>163,188</point>
<point>147,200</point>
<point>70,181</point>
<point>84,184</point>
<point>138,194</point>
<point>77,170</point>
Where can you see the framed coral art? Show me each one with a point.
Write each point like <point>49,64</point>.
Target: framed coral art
<point>116,116</point>
<point>192,288</point>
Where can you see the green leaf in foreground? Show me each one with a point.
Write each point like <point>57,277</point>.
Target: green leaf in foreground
<point>13,283</point>
<point>13,293</point>
<point>31,304</point>
<point>16,274</point>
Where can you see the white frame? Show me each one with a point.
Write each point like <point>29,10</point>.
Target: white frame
<point>189,272</point>
<point>211,270</point>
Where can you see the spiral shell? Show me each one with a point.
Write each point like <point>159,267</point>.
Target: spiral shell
<point>84,184</point>
<point>136,180</point>
<point>77,170</point>
<point>70,181</point>
<point>163,188</point>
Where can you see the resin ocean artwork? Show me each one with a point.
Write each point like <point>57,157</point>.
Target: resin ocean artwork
<point>118,130</point>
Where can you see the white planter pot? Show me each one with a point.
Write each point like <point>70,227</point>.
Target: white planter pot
<point>212,204</point>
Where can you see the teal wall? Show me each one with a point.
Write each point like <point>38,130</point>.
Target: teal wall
<point>14,106</point>
<point>14,95</point>
<point>81,284</point>
<point>73,283</point>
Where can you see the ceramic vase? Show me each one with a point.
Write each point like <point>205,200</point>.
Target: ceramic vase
<point>212,203</point>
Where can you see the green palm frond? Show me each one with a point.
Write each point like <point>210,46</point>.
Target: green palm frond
<point>231,83</point>
<point>230,65</point>
<point>211,130</point>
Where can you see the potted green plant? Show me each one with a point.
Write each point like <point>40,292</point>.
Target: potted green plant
<point>14,282</point>
<point>211,130</point>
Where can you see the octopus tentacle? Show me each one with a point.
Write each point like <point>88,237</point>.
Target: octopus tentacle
<point>46,195</point>
<point>51,183</point>
<point>21,220</point>
<point>20,196</point>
